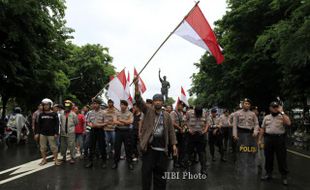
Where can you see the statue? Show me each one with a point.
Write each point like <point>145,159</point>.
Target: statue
<point>165,85</point>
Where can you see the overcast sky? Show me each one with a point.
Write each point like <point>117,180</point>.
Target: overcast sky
<point>133,29</point>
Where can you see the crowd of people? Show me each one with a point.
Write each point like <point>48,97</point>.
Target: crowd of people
<point>153,132</point>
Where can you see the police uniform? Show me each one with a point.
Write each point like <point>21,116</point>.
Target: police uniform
<point>215,138</point>
<point>177,118</point>
<point>245,125</point>
<point>96,136</point>
<point>123,135</point>
<point>196,139</point>
<point>274,143</point>
<point>225,125</point>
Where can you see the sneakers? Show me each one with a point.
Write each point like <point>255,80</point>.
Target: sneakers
<point>135,159</point>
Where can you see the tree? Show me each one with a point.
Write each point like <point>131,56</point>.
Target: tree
<point>32,43</point>
<point>93,63</point>
<point>266,53</point>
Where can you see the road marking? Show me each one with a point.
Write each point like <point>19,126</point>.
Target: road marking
<point>28,168</point>
<point>298,153</point>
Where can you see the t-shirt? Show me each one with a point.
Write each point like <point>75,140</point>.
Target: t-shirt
<point>158,142</point>
<point>48,123</point>
<point>124,116</point>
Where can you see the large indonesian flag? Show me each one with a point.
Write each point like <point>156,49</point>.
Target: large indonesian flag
<point>119,90</point>
<point>196,29</point>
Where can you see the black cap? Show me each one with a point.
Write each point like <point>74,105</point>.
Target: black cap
<point>97,100</point>
<point>274,104</point>
<point>124,102</point>
<point>213,110</point>
<point>158,97</point>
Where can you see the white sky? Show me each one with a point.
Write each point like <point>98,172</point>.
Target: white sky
<point>133,29</point>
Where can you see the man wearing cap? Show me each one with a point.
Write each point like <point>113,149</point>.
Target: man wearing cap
<point>123,120</point>
<point>95,120</point>
<point>245,130</point>
<point>215,134</point>
<point>157,132</point>
<point>274,140</point>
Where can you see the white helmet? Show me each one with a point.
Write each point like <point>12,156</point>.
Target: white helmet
<point>47,101</point>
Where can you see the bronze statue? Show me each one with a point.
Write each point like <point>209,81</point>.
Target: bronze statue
<point>165,85</point>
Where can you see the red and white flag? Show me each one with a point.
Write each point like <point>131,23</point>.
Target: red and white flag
<point>117,89</point>
<point>183,97</point>
<point>142,86</point>
<point>196,29</point>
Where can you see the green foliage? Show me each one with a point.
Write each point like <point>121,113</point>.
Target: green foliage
<point>169,101</point>
<point>37,59</point>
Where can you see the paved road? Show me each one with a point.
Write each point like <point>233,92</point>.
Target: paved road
<point>222,176</point>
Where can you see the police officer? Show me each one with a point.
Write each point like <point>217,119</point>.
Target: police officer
<point>95,121</point>
<point>123,121</point>
<point>215,134</point>
<point>225,124</point>
<point>274,140</point>
<point>245,130</point>
<point>197,125</point>
<point>178,124</point>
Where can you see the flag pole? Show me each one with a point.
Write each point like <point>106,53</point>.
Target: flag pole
<point>165,40</point>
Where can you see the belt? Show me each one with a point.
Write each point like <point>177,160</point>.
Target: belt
<point>244,130</point>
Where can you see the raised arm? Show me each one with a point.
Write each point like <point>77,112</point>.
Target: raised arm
<point>160,79</point>
<point>139,101</point>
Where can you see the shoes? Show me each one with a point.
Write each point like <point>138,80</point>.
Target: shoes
<point>114,166</point>
<point>266,177</point>
<point>135,159</point>
<point>89,165</point>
